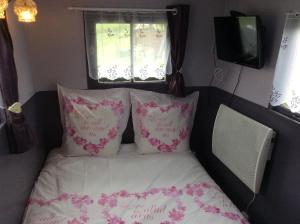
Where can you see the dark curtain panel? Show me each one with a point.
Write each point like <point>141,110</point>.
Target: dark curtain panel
<point>20,137</point>
<point>178,28</point>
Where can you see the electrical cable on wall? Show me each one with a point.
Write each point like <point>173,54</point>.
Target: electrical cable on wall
<point>250,203</point>
<point>245,213</point>
<point>236,85</point>
<point>214,62</point>
<point>218,72</point>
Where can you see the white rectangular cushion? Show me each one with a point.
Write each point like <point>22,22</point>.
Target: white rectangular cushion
<point>93,120</point>
<point>243,145</point>
<point>162,123</point>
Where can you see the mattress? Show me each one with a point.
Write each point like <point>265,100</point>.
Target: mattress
<point>128,189</point>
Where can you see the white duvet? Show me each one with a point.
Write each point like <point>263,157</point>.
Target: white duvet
<point>128,189</point>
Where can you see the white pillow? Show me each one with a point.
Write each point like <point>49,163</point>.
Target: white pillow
<point>162,123</point>
<point>93,120</point>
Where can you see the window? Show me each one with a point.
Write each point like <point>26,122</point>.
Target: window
<point>127,47</point>
<point>286,85</point>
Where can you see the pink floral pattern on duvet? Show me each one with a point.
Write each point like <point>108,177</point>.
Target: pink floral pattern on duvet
<point>78,202</point>
<point>117,109</point>
<point>174,214</point>
<point>143,109</point>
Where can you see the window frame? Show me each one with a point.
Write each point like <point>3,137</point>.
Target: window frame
<point>286,112</point>
<point>93,60</point>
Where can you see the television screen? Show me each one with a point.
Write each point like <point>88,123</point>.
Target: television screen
<point>238,40</point>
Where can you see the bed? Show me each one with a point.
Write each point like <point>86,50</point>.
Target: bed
<point>128,189</point>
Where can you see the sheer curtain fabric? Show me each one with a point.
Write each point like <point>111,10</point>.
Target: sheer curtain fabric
<point>125,46</point>
<point>286,85</point>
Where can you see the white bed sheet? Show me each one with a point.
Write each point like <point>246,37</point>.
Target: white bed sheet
<point>128,189</point>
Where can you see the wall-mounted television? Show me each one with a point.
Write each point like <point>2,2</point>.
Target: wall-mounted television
<point>239,40</point>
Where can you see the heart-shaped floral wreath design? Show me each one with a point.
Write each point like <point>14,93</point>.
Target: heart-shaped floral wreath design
<point>117,108</point>
<point>142,110</point>
<point>175,215</point>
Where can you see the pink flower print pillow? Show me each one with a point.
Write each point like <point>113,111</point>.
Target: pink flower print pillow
<point>162,123</point>
<point>93,120</point>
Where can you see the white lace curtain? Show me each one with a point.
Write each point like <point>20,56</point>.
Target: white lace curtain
<point>286,86</point>
<point>127,46</point>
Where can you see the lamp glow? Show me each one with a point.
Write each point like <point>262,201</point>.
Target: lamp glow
<point>26,10</point>
<point>3,7</point>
